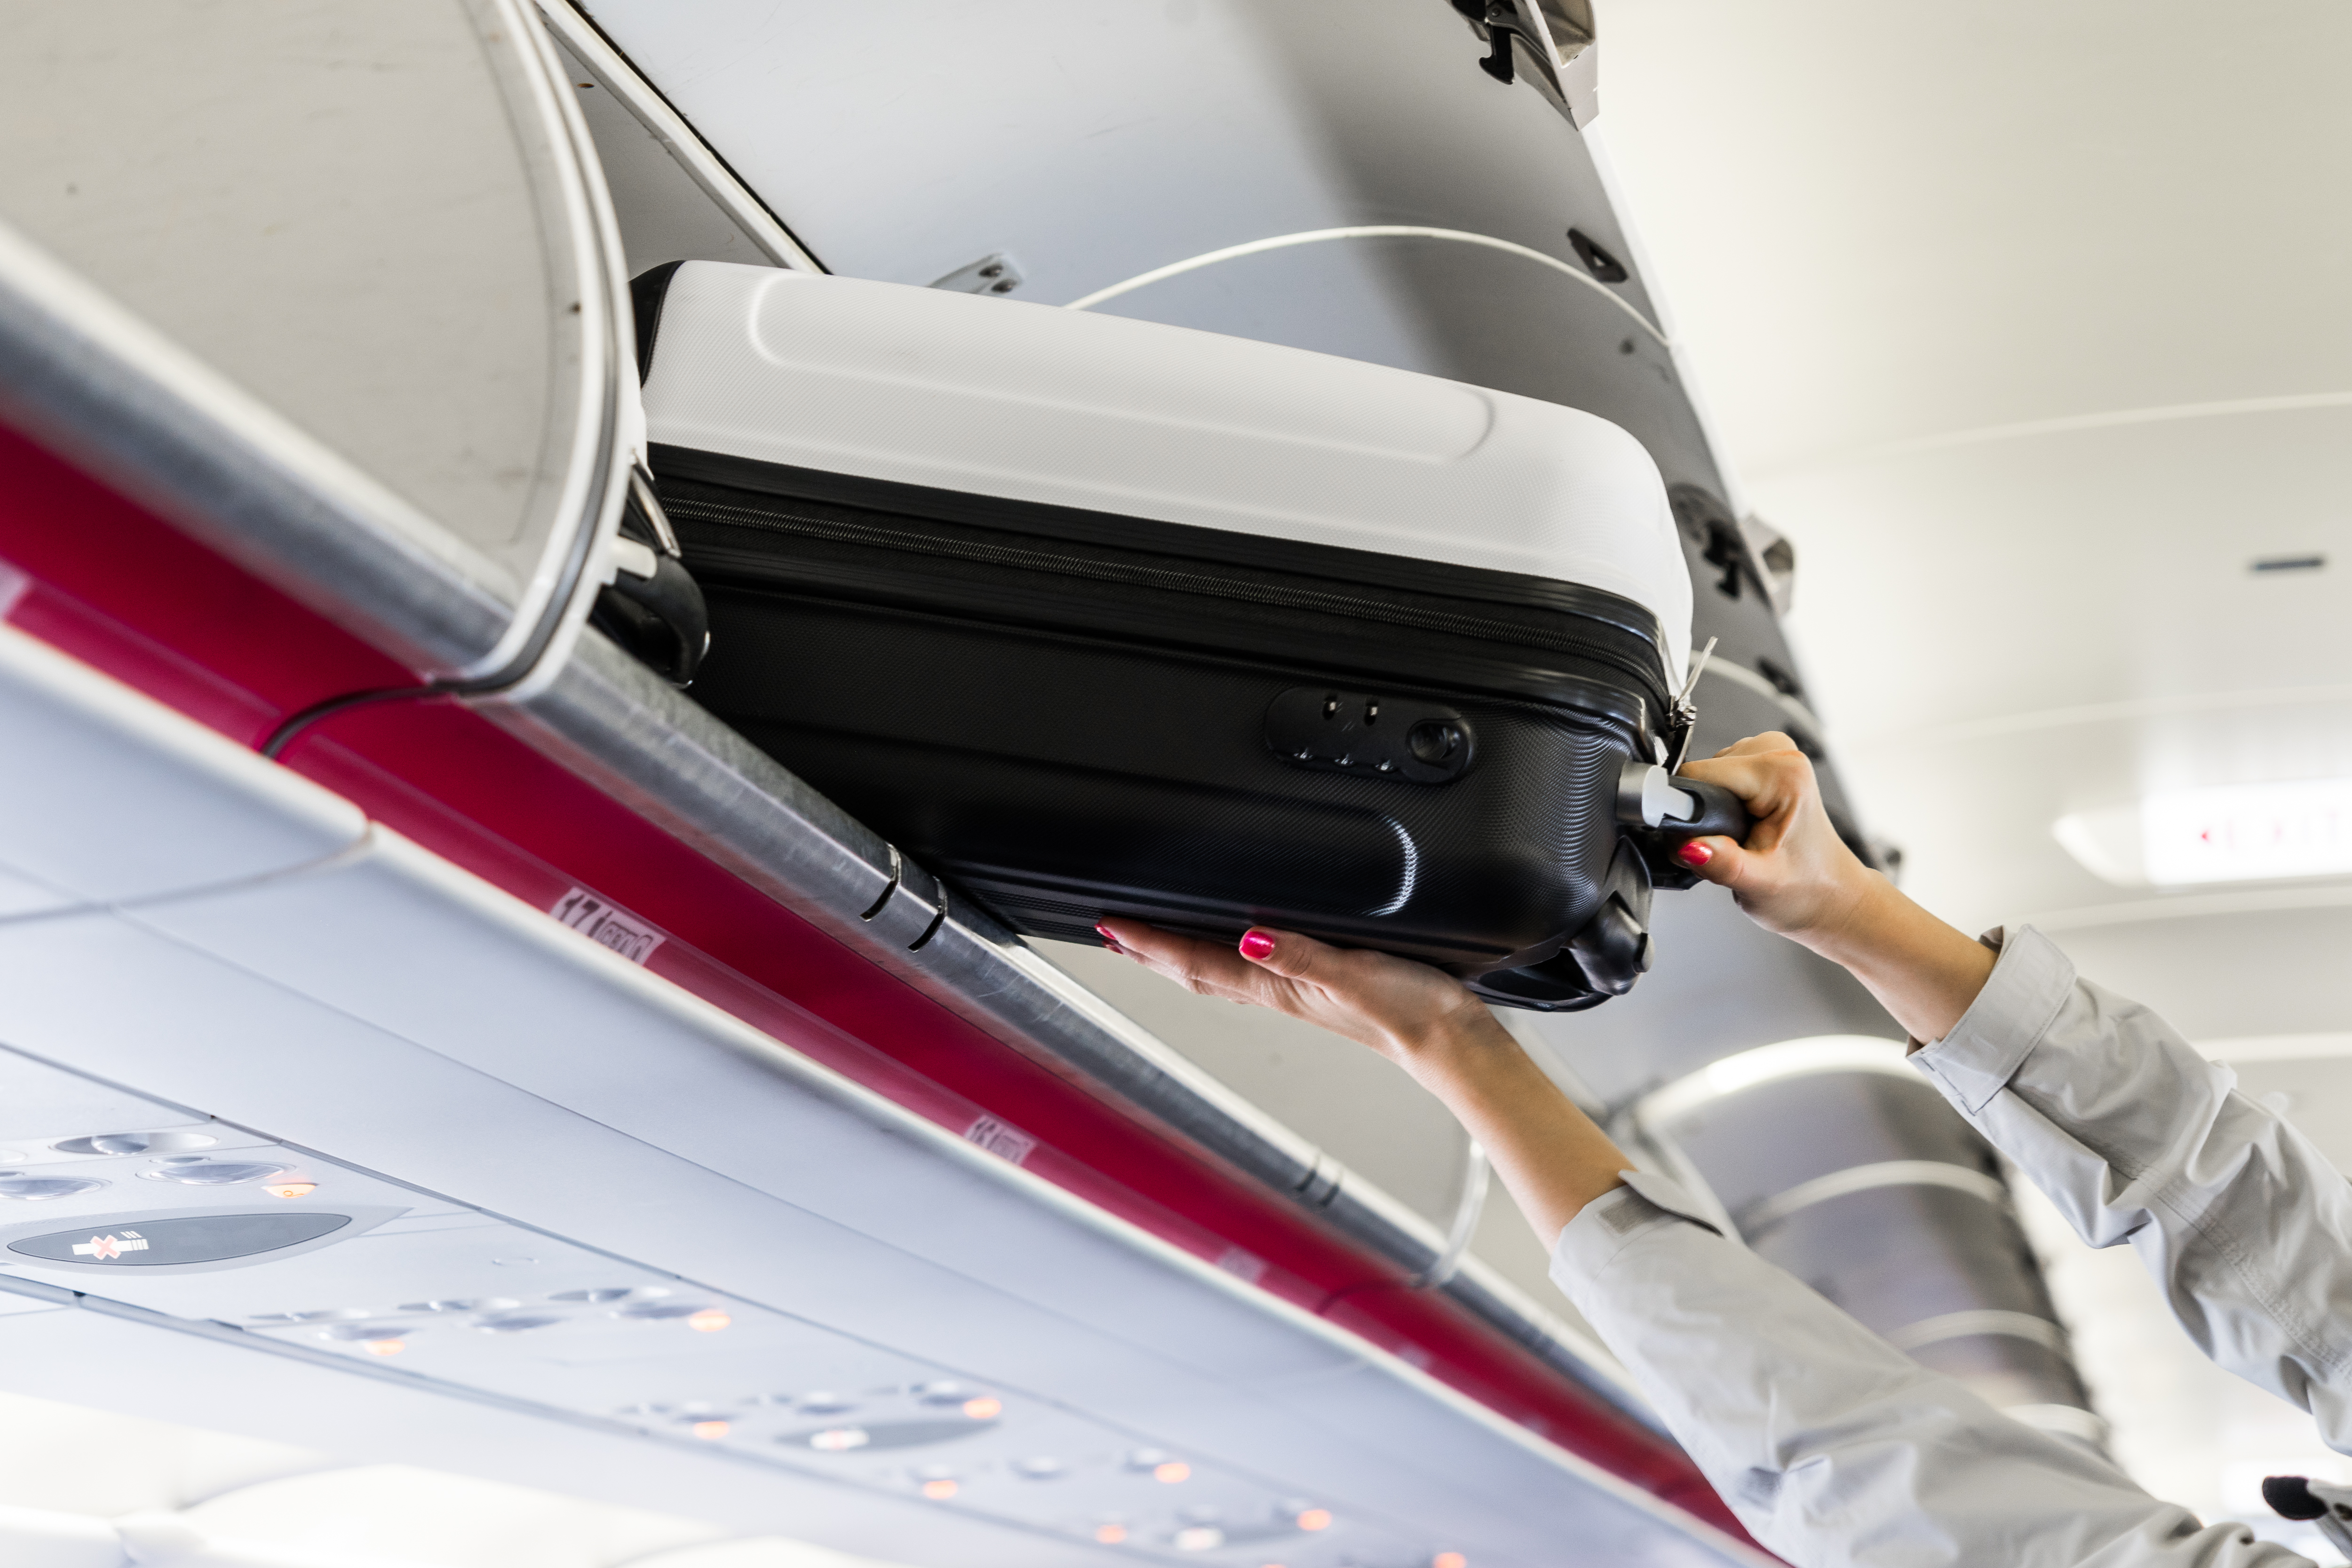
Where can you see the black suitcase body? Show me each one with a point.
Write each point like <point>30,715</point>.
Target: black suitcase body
<point>1068,713</point>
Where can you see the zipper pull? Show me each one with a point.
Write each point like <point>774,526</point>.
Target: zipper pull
<point>1684,715</point>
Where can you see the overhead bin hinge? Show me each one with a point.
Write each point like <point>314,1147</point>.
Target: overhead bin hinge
<point>1557,38</point>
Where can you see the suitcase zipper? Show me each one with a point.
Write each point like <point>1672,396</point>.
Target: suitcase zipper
<point>1205,583</point>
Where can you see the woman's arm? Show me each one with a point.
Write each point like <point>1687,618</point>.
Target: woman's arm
<point>1795,876</point>
<point>2244,1225</point>
<point>1833,1447</point>
<point>1548,1153</point>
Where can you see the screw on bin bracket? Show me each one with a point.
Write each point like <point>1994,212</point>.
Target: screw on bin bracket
<point>996,275</point>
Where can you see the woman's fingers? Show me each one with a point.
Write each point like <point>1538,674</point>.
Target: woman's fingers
<point>1767,771</point>
<point>1287,953</point>
<point>1712,859</point>
<point>1794,874</point>
<point>1774,784</point>
<point>1206,966</point>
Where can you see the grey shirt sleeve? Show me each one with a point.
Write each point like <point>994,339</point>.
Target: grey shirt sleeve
<point>2244,1224</point>
<point>1833,1447</point>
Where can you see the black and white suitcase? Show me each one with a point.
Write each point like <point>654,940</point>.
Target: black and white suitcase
<point>1099,616</point>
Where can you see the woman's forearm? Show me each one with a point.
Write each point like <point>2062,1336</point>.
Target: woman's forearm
<point>1923,971</point>
<point>1549,1154</point>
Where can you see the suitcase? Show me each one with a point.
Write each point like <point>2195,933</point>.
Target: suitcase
<point>1096,617</point>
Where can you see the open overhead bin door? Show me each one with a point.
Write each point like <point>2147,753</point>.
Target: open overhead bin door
<point>375,224</point>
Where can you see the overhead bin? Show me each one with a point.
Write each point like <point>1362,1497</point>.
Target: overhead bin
<point>554,1185</point>
<point>1338,176</point>
<point>305,598</point>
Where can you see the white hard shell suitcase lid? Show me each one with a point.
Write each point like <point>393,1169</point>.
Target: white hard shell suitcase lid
<point>1031,402</point>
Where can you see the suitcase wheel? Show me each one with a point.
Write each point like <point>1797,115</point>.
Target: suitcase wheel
<point>1608,954</point>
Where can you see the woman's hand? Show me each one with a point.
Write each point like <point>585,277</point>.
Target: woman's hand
<point>1548,1153</point>
<point>1406,1011</point>
<point>1796,876</point>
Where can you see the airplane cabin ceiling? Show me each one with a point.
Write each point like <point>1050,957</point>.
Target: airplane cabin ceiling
<point>2026,324</point>
<point>2034,342</point>
<point>2022,323</point>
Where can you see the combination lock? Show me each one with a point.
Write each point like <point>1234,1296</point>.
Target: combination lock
<point>1382,737</point>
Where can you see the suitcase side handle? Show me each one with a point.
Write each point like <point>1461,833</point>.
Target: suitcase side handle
<point>1649,796</point>
<point>1663,811</point>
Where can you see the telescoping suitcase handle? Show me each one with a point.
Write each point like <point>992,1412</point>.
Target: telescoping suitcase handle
<point>1676,808</point>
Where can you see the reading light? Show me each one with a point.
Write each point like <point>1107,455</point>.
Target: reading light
<point>384,1347</point>
<point>1314,1518</point>
<point>1200,1538</point>
<point>939,1491</point>
<point>41,1189</point>
<point>710,1431</point>
<point>462,1304</point>
<point>983,1408</point>
<point>291,1189</point>
<point>196,1171</point>
<point>106,1144</point>
<point>1110,1534</point>
<point>1449,1560</point>
<point>710,1320</point>
<point>839,1439</point>
<point>134,1143</point>
<point>2221,832</point>
<point>1171,1472</point>
<point>661,1311</point>
<point>1040,1469</point>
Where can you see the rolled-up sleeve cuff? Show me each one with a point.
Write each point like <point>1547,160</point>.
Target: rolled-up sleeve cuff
<point>1602,1228</point>
<point>2029,983</point>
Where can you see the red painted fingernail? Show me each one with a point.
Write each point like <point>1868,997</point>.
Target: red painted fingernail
<point>1694,854</point>
<point>1258,944</point>
<point>1105,933</point>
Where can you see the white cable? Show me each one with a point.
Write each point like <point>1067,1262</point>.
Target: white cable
<point>1467,1210</point>
<point>1366,231</point>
